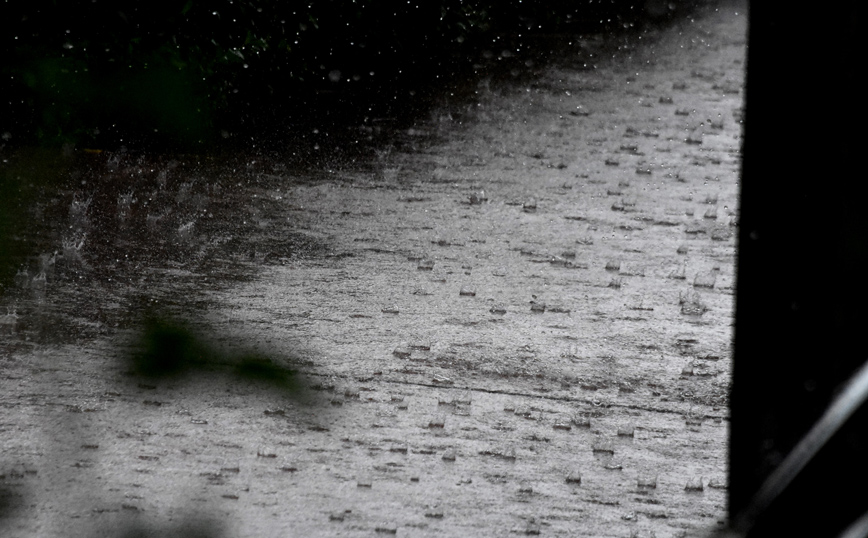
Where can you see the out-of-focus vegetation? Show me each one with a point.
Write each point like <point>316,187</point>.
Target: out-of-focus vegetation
<point>102,72</point>
<point>168,348</point>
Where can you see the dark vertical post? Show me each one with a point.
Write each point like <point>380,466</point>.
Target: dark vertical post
<point>802,285</point>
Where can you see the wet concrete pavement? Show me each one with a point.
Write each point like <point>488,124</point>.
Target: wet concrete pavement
<point>523,327</point>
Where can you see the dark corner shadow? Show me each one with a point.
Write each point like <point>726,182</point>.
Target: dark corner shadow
<point>168,348</point>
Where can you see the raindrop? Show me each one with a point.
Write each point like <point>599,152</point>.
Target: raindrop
<point>694,484</point>
<point>498,310</point>
<point>402,351</point>
<point>467,292</point>
<point>646,481</point>
<point>626,431</point>
<point>603,446</point>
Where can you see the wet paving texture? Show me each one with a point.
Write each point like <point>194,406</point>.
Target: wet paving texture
<point>519,323</point>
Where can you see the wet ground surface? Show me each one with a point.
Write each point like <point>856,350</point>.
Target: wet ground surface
<point>516,319</point>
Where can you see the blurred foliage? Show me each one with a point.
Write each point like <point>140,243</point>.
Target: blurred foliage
<point>187,528</point>
<point>168,348</point>
<point>91,71</point>
<point>262,369</point>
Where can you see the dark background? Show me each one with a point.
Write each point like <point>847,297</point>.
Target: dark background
<point>188,73</point>
<point>803,254</point>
